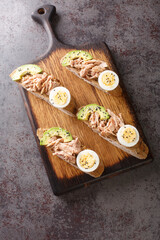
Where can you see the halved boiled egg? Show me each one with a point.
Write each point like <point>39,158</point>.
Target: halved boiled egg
<point>87,160</point>
<point>108,80</point>
<point>128,136</point>
<point>60,97</point>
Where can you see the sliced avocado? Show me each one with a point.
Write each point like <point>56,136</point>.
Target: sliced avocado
<point>55,131</point>
<point>75,54</point>
<point>18,73</point>
<point>85,112</point>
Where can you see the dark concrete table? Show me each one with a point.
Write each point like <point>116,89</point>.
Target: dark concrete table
<point>124,207</point>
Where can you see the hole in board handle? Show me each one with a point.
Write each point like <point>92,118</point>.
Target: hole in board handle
<point>41,11</point>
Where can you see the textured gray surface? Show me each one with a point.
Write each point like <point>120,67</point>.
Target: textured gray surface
<point>124,207</point>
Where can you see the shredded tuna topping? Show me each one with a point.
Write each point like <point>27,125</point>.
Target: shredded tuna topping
<point>89,69</point>
<point>42,83</point>
<point>106,127</point>
<point>66,150</point>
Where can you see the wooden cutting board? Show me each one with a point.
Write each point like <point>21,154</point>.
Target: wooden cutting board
<point>63,177</point>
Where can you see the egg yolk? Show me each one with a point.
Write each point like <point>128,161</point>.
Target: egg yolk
<point>60,97</point>
<point>108,79</point>
<point>129,135</point>
<point>87,161</point>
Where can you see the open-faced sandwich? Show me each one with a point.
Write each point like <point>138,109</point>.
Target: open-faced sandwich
<point>92,71</point>
<point>45,86</point>
<point>113,129</point>
<point>69,148</point>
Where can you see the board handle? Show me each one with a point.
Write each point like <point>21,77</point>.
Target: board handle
<point>43,16</point>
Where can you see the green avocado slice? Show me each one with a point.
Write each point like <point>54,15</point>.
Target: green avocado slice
<point>73,55</point>
<point>19,72</point>
<point>55,131</point>
<point>85,112</point>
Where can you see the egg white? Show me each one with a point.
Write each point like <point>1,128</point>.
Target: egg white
<point>94,154</point>
<point>122,141</point>
<point>53,93</point>
<point>103,86</point>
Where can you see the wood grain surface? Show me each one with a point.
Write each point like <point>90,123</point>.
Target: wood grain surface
<point>63,177</point>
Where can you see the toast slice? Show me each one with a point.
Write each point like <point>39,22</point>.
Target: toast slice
<point>70,109</point>
<point>116,92</point>
<point>140,150</point>
<point>97,173</point>
<point>77,69</point>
